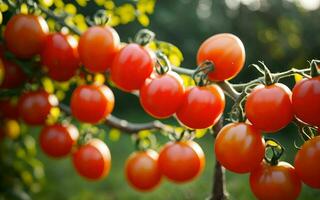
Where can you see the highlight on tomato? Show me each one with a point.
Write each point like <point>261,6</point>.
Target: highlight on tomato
<point>269,107</point>
<point>201,107</point>
<point>276,182</point>
<point>91,103</point>
<point>92,160</point>
<point>307,162</point>
<point>132,65</point>
<point>57,140</point>
<point>98,47</point>
<point>305,100</point>
<point>226,52</point>
<point>25,35</point>
<point>60,56</point>
<point>142,171</point>
<point>35,106</point>
<point>239,147</point>
<point>162,94</point>
<point>181,161</point>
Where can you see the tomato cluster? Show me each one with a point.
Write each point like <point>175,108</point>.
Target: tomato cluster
<point>239,146</point>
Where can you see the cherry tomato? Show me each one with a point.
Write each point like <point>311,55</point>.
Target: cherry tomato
<point>131,67</point>
<point>142,171</point>
<point>91,103</point>
<point>181,161</point>
<point>201,107</point>
<point>162,95</point>
<point>97,48</point>
<point>307,162</point>
<point>227,53</point>
<point>239,147</point>
<point>269,108</point>
<point>57,140</point>
<point>25,35</point>
<point>9,109</point>
<point>13,75</point>
<point>92,160</point>
<point>305,100</point>
<point>60,56</point>
<point>35,106</point>
<point>277,182</point>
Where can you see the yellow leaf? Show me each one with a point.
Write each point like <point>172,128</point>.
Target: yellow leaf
<point>114,134</point>
<point>46,3</point>
<point>109,5</point>
<point>47,85</point>
<point>144,133</point>
<point>99,78</point>
<point>144,20</point>
<point>82,3</point>
<point>3,7</point>
<point>187,80</point>
<point>200,133</point>
<point>12,129</point>
<point>53,116</point>
<point>70,8</point>
<point>175,60</point>
<point>1,71</point>
<point>60,95</point>
<point>59,3</point>
<point>24,9</point>
<point>298,77</point>
<point>100,2</point>
<point>0,17</point>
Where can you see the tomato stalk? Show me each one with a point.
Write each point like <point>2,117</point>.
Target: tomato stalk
<point>314,68</point>
<point>144,37</point>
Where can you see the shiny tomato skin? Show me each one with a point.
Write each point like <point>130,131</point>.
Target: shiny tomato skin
<point>162,95</point>
<point>239,147</point>
<point>35,106</point>
<point>132,65</point>
<point>181,161</point>
<point>201,107</point>
<point>92,160</point>
<point>25,35</point>
<point>269,108</point>
<point>91,103</point>
<point>98,47</point>
<point>13,75</point>
<point>305,100</point>
<point>307,162</point>
<point>142,171</point>
<point>60,56</point>
<point>9,109</point>
<point>277,182</point>
<point>227,53</point>
<point>57,140</point>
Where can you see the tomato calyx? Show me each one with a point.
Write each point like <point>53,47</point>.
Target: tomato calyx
<point>314,68</point>
<point>276,150</point>
<point>163,64</point>
<point>144,37</point>
<point>100,18</point>
<point>200,76</point>
<point>144,143</point>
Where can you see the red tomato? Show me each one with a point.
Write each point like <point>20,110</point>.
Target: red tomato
<point>35,106</point>
<point>57,140</point>
<point>305,100</point>
<point>202,107</point>
<point>131,67</point>
<point>269,108</point>
<point>13,75</point>
<point>60,56</point>
<point>279,182</point>
<point>227,53</point>
<point>307,162</point>
<point>162,95</point>
<point>97,48</point>
<point>181,161</point>
<point>92,160</point>
<point>142,170</point>
<point>9,109</point>
<point>239,147</point>
<point>25,35</point>
<point>91,103</point>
